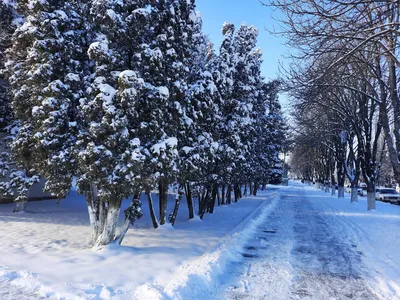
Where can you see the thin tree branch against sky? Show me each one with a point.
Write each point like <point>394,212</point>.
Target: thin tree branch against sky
<point>216,12</point>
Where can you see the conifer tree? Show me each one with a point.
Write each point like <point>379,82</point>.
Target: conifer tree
<point>45,72</point>
<point>109,159</point>
<point>199,113</point>
<point>236,80</point>
<point>7,27</point>
<point>75,109</point>
<point>15,183</point>
<point>128,96</point>
<point>246,78</point>
<point>164,63</point>
<point>221,67</point>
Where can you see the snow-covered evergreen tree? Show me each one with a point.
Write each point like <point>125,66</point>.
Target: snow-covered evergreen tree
<point>109,160</point>
<point>165,62</point>
<point>237,79</point>
<point>199,113</point>
<point>128,96</point>
<point>13,181</point>
<point>7,27</point>
<point>276,129</point>
<point>46,72</point>
<point>270,130</point>
<point>247,78</point>
<point>6,30</point>
<point>222,67</point>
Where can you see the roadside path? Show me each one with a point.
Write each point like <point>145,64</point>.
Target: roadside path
<point>299,252</point>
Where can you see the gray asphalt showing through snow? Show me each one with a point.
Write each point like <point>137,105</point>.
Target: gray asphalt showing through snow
<point>324,264</point>
<point>298,253</point>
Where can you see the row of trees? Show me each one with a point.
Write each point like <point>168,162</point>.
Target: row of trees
<point>130,96</point>
<point>345,79</point>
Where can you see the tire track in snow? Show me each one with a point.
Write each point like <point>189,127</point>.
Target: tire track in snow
<point>302,258</point>
<point>199,279</point>
<point>268,272</point>
<point>361,242</point>
<point>324,261</point>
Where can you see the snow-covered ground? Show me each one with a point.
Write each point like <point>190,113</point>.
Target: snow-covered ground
<point>315,246</point>
<point>287,243</point>
<point>45,251</point>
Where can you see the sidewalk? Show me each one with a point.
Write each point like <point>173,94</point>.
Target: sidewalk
<point>375,234</point>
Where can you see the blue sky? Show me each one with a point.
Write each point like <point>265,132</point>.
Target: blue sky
<point>216,12</point>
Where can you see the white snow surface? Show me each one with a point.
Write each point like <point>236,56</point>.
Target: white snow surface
<point>48,251</point>
<point>162,146</point>
<point>291,242</point>
<point>316,246</point>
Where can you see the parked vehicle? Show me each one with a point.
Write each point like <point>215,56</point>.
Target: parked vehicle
<point>348,190</point>
<point>362,191</point>
<point>387,195</point>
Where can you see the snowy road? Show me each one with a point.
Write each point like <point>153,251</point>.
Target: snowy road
<point>300,252</point>
<point>292,242</point>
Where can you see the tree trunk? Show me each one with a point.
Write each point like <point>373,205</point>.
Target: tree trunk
<point>229,195</point>
<point>238,193</point>
<point>326,187</point>
<point>245,190</point>
<point>103,217</point>
<point>151,208</point>
<point>20,205</point>
<point>124,230</point>
<point>108,233</point>
<point>255,189</point>
<point>371,205</point>
<point>136,195</point>
<point>235,193</point>
<point>163,197</point>
<point>178,198</point>
<point>371,200</point>
<point>202,199</point>
<point>354,194</point>
<point>341,192</point>
<point>213,198</point>
<point>132,213</point>
<point>189,200</point>
<point>391,134</point>
<point>93,204</point>
<point>341,163</point>
<point>333,187</point>
<point>203,204</point>
<point>218,196</point>
<point>223,195</point>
